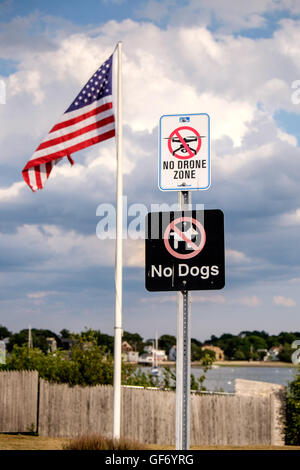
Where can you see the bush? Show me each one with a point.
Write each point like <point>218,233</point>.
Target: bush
<point>98,442</point>
<point>85,364</point>
<point>292,420</point>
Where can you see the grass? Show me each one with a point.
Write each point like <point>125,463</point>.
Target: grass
<point>98,442</point>
<point>29,442</point>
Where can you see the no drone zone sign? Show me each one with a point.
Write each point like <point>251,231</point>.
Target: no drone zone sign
<point>185,250</point>
<point>184,152</point>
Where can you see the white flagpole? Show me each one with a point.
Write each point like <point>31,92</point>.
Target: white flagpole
<point>118,260</point>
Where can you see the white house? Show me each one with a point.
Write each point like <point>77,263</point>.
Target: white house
<point>152,355</point>
<point>132,356</point>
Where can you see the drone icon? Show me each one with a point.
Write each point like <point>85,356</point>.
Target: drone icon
<point>182,147</point>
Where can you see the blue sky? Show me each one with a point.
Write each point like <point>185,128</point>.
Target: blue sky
<point>237,62</point>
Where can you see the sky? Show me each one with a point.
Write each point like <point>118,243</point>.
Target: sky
<point>236,61</point>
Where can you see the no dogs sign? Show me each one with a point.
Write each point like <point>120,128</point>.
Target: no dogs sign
<point>185,250</point>
<point>184,152</point>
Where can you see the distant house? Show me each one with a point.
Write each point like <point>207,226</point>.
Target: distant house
<point>151,355</point>
<point>218,351</point>
<point>133,356</point>
<point>145,358</point>
<point>126,347</point>
<point>52,344</point>
<point>172,353</point>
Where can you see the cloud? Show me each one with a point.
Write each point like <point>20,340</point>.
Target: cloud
<point>214,298</point>
<point>236,257</point>
<point>290,218</point>
<point>285,137</point>
<point>210,298</point>
<point>240,81</point>
<point>161,299</point>
<point>283,301</point>
<point>134,253</point>
<point>42,294</point>
<point>224,16</point>
<point>12,192</point>
<point>248,301</point>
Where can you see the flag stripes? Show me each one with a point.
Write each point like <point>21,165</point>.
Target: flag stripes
<point>81,126</point>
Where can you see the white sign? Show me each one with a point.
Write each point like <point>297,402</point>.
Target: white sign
<point>184,152</point>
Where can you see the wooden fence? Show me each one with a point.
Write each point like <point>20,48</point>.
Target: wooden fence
<point>18,401</point>
<point>147,415</point>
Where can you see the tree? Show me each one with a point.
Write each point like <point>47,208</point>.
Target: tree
<point>102,339</point>
<point>65,334</point>
<point>239,355</point>
<point>285,354</point>
<point>257,342</point>
<point>196,342</point>
<point>4,333</point>
<point>85,363</point>
<point>107,341</point>
<point>285,337</point>
<point>261,334</point>
<point>165,342</point>
<point>135,341</point>
<point>39,339</point>
<point>196,352</point>
<point>206,362</point>
<point>292,419</point>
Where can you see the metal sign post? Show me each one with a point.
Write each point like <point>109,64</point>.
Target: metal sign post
<point>181,254</point>
<point>183,354</point>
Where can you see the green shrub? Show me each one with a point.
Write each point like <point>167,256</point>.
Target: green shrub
<point>292,420</point>
<point>85,363</point>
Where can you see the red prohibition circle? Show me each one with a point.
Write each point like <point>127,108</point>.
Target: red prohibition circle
<point>190,153</point>
<point>171,226</point>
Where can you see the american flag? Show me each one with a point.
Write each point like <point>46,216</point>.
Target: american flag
<point>89,119</point>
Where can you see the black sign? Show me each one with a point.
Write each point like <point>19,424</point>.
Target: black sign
<point>185,250</point>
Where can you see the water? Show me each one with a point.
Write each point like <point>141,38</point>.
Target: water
<point>224,377</point>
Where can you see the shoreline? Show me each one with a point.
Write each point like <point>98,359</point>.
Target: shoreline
<point>276,364</point>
